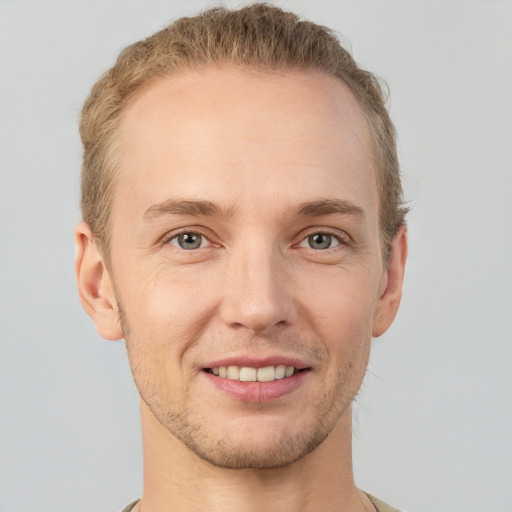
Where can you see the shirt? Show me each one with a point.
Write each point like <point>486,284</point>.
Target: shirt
<point>380,506</point>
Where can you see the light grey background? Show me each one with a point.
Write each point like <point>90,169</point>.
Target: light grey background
<point>434,418</point>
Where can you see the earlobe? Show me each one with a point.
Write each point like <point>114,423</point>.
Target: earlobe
<point>392,281</point>
<point>95,286</point>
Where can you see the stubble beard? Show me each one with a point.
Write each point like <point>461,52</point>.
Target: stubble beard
<point>226,450</point>
<point>235,450</point>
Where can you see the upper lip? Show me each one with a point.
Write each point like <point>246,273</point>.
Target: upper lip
<point>253,361</point>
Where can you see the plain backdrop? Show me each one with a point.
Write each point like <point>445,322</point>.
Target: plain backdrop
<point>433,420</point>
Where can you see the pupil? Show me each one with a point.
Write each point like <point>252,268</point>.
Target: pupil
<point>189,241</point>
<point>320,241</point>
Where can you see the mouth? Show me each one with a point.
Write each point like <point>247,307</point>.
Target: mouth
<point>251,378</point>
<point>252,374</point>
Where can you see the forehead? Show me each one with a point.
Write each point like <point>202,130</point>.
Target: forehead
<point>229,132</point>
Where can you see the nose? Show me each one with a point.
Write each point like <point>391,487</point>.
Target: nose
<point>258,292</point>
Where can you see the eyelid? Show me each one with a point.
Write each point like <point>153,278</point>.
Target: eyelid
<point>341,236</point>
<point>203,244</point>
<point>194,230</point>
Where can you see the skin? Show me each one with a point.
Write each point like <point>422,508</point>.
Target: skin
<point>283,157</point>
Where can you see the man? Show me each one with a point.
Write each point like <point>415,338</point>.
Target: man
<point>244,232</point>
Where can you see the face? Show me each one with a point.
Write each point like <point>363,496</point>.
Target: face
<point>245,259</point>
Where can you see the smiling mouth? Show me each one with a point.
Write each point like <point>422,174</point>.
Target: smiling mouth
<point>250,374</point>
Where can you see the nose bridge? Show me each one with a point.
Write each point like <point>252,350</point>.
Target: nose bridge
<point>257,293</point>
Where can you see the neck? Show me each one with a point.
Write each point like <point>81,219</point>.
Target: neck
<point>176,479</point>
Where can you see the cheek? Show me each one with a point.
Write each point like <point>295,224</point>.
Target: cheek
<point>165,315</point>
<point>167,308</point>
<point>343,302</point>
<point>341,314</point>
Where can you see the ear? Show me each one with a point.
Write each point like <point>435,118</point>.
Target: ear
<point>391,286</point>
<point>95,286</point>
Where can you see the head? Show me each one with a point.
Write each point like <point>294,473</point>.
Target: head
<point>259,37</point>
<point>242,216</point>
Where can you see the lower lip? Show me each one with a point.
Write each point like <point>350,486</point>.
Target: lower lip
<point>257,391</point>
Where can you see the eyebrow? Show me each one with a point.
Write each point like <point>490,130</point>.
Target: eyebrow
<point>329,207</point>
<point>316,208</point>
<point>186,207</point>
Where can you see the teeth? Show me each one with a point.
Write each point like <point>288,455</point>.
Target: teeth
<point>266,374</point>
<point>248,374</point>
<point>280,371</point>
<point>233,373</point>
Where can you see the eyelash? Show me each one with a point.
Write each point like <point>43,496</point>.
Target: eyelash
<point>166,240</point>
<point>342,239</point>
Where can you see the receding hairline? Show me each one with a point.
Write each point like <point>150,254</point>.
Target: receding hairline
<point>347,102</point>
<point>195,72</point>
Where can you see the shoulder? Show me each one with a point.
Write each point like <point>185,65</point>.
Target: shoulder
<point>380,506</point>
<point>130,506</point>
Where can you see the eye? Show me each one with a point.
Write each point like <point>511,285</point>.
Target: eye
<point>189,241</point>
<point>319,241</point>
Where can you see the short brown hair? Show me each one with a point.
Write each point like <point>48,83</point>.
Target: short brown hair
<point>259,36</point>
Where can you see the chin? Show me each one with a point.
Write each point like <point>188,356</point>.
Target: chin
<point>262,445</point>
<point>272,454</point>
